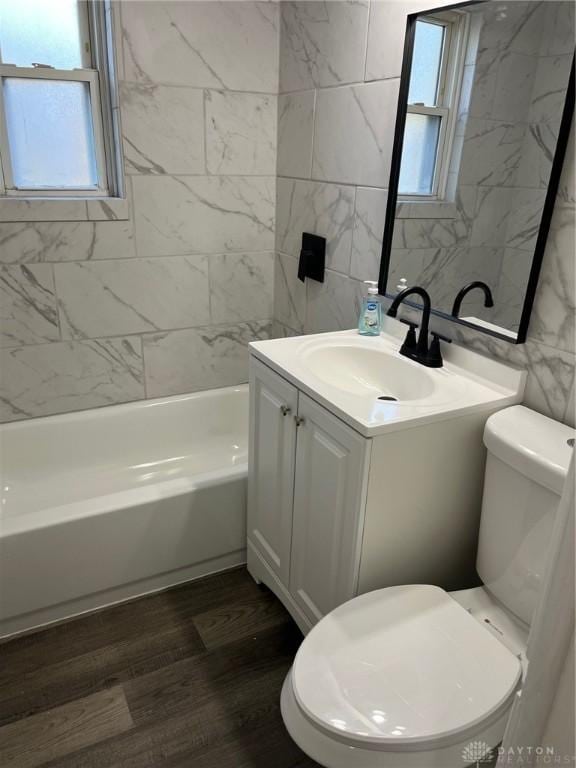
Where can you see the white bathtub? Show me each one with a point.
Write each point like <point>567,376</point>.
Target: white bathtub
<point>104,505</point>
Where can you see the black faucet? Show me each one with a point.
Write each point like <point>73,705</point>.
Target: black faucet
<point>418,349</point>
<point>488,300</point>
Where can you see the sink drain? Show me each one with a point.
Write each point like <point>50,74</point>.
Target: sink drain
<point>388,397</point>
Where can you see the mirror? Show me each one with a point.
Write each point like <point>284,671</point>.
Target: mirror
<point>485,108</point>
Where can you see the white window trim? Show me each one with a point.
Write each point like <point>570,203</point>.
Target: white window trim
<point>449,87</point>
<point>107,202</point>
<point>89,76</point>
<point>102,16</point>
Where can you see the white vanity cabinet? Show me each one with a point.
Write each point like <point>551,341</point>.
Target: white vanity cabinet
<point>272,436</point>
<point>331,463</point>
<point>334,512</point>
<point>306,488</point>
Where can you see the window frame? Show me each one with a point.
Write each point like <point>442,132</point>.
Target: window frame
<point>448,97</point>
<point>98,71</point>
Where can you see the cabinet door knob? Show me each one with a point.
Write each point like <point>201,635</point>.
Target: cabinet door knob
<point>285,410</point>
<point>299,420</point>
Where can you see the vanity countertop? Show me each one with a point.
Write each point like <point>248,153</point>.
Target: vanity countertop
<point>347,373</point>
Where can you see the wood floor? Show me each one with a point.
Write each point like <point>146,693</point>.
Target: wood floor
<point>188,678</point>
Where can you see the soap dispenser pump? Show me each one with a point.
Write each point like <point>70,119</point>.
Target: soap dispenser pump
<point>370,320</point>
<point>402,285</point>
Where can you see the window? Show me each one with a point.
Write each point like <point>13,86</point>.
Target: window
<point>57,122</point>
<point>435,78</point>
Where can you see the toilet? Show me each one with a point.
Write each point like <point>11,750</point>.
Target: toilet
<point>415,677</point>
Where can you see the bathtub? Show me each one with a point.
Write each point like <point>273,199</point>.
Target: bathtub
<point>104,505</point>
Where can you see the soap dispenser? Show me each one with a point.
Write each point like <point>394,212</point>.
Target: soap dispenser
<point>370,320</point>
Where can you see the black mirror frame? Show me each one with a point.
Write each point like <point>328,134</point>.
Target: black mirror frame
<point>547,211</point>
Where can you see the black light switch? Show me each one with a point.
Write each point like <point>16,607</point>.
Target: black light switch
<point>312,257</point>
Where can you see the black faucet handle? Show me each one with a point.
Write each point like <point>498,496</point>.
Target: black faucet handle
<point>410,344</point>
<point>408,322</point>
<point>434,359</point>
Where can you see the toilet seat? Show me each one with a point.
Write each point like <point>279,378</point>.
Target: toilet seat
<point>403,668</point>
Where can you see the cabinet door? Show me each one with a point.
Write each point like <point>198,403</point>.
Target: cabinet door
<point>273,407</point>
<point>329,498</point>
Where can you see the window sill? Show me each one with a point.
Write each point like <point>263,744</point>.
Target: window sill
<point>63,209</point>
<point>426,209</point>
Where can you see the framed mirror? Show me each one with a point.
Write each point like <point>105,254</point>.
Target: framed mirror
<point>484,113</point>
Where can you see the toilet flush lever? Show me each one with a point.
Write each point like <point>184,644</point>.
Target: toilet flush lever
<point>285,410</point>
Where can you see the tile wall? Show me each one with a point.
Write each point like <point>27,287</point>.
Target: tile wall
<point>339,76</point>
<point>95,313</point>
<point>223,176</point>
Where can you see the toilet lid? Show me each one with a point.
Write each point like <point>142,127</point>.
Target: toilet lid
<point>401,666</point>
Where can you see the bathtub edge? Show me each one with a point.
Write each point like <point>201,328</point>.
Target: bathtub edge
<point>43,618</point>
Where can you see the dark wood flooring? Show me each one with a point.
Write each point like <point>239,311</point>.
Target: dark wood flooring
<point>188,678</point>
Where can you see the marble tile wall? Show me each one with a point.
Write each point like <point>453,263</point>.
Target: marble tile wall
<point>339,76</point>
<point>520,85</point>
<point>101,312</point>
<point>244,123</point>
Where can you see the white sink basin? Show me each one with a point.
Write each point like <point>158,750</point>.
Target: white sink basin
<point>363,371</point>
<point>349,374</point>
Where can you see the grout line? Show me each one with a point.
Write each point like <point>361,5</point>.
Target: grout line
<point>353,230</point>
<point>205,327</point>
<point>319,180</point>
<point>334,86</point>
<point>314,117</point>
<point>144,377</point>
<point>143,335</point>
<point>315,180</point>
<point>185,87</point>
<point>367,37</point>
<point>130,186</point>
<point>205,126</point>
<point>208,255</point>
<point>198,176</point>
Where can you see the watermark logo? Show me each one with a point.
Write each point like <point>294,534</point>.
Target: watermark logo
<point>517,757</point>
<point>476,753</point>
<point>479,754</point>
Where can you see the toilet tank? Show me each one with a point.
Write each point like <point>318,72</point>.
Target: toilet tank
<point>527,463</point>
